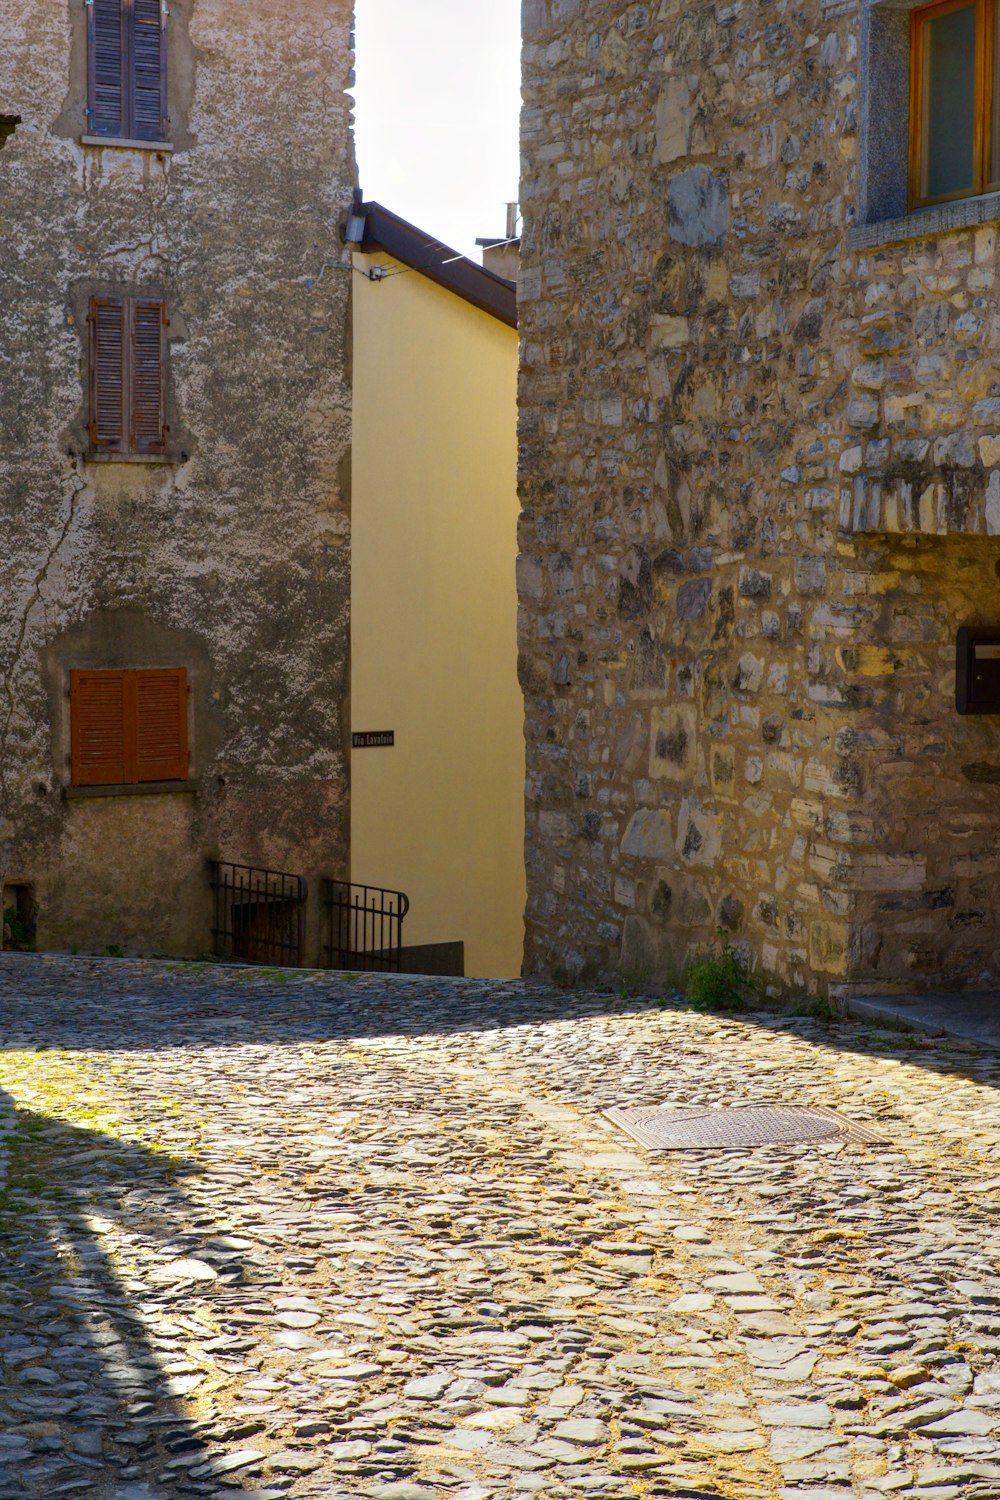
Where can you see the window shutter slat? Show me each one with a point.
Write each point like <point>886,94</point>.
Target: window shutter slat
<point>107,67</point>
<point>98,741</point>
<point>148,53</point>
<point>107,372</point>
<point>161,725</point>
<point>148,428</point>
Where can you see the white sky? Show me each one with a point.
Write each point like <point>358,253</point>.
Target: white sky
<point>438,97</point>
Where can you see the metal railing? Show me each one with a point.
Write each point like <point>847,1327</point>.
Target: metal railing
<point>258,915</point>
<point>363,927</point>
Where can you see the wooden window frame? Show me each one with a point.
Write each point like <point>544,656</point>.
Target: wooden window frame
<point>134,415</point>
<point>135,772</point>
<point>985,83</point>
<point>129,127</point>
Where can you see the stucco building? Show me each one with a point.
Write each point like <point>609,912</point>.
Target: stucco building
<point>437,776</point>
<point>760,476</point>
<point>174,457</point>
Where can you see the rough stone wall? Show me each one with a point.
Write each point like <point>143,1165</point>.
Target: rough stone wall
<point>233,558</point>
<point>760,480</point>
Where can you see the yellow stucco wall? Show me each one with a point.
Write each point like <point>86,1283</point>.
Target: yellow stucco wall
<point>433,638</point>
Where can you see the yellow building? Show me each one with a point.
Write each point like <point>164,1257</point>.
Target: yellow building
<point>437,812</point>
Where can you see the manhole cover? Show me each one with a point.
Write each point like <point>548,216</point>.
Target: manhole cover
<point>663,1129</point>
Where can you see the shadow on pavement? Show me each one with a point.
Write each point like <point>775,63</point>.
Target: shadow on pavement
<point>50,1000</point>
<point>86,1406</point>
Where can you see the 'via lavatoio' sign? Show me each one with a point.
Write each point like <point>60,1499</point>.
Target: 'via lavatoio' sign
<point>373,739</point>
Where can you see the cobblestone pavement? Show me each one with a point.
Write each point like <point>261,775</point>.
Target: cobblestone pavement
<point>330,1236</point>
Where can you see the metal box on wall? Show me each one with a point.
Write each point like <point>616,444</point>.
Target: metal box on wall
<point>977,669</point>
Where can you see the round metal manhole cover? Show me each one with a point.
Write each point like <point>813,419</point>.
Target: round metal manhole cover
<point>660,1128</point>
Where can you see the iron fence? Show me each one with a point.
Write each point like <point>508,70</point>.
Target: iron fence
<point>363,927</point>
<point>258,915</point>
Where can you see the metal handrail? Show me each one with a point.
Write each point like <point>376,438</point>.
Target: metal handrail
<point>363,926</point>
<point>258,914</point>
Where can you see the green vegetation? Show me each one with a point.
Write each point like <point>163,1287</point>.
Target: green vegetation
<point>720,978</point>
<point>21,936</point>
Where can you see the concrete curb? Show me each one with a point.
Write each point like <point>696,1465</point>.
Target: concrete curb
<point>974,1020</point>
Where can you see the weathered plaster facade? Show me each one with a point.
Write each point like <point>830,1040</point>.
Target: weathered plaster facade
<point>760,457</point>
<point>228,555</point>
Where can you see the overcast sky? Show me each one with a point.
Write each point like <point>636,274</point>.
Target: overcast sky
<point>438,95</point>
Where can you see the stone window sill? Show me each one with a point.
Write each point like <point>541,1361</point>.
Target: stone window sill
<point>130,458</point>
<point>118,143</point>
<point>964,213</point>
<point>139,789</point>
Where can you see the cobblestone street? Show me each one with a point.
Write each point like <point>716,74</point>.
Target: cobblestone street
<point>326,1236</point>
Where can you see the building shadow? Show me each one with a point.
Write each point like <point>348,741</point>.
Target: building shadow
<point>87,1407</point>
<point>107,1003</point>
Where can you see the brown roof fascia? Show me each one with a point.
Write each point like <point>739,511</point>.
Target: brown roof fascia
<point>388,233</point>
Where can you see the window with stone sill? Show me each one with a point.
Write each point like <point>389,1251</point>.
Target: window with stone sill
<point>930,108</point>
<point>127,69</point>
<point>954,118</point>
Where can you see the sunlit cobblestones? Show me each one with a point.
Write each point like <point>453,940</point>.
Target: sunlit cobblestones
<point>312,1235</point>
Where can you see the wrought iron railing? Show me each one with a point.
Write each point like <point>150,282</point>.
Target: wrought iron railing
<point>363,927</point>
<point>258,915</point>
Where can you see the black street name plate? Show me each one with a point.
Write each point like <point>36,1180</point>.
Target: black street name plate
<point>373,739</point>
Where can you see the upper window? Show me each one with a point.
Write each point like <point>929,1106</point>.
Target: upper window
<point>128,365</point>
<point>128,69</point>
<point>128,727</point>
<point>954,113</point>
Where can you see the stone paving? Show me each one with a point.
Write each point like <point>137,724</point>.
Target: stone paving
<point>305,1235</point>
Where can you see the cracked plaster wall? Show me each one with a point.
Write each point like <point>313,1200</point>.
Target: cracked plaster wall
<point>233,562</point>
<point>760,478</point>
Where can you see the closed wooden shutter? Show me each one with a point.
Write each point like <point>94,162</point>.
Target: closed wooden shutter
<point>107,372</point>
<point>107,67</point>
<point>161,724</point>
<point>147,371</point>
<point>128,370</point>
<point>98,755</point>
<point>128,726</point>
<point>148,70</point>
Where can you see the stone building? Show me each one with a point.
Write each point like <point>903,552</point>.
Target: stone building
<point>174,457</point>
<point>760,477</point>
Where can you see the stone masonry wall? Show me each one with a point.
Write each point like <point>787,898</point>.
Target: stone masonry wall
<point>232,559</point>
<point>760,479</point>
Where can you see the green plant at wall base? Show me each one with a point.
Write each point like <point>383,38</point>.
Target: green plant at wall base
<point>20,934</point>
<point>115,950</point>
<point>719,978</point>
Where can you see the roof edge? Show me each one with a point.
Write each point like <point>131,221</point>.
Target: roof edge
<point>372,228</point>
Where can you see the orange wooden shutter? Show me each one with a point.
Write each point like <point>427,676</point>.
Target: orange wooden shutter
<point>98,737</point>
<point>107,372</point>
<point>161,724</point>
<point>148,365</point>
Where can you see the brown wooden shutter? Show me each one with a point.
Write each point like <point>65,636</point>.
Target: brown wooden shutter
<point>148,367</point>
<point>98,729</point>
<point>148,70</point>
<point>107,67</point>
<point>161,724</point>
<point>107,372</point>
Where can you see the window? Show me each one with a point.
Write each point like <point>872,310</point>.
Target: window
<point>127,69</point>
<point>128,365</point>
<point>954,114</point>
<point>128,727</point>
